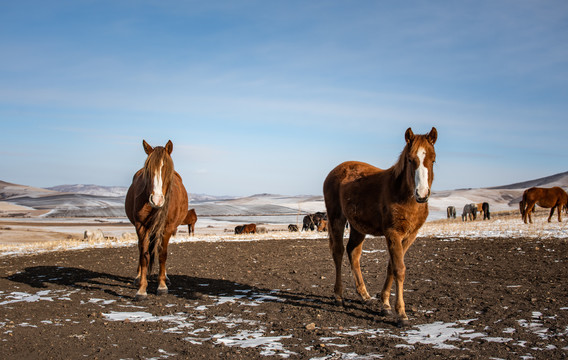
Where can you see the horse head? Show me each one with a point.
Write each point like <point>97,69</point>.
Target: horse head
<point>419,157</point>
<point>158,172</point>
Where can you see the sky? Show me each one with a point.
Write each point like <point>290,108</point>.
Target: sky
<point>269,96</point>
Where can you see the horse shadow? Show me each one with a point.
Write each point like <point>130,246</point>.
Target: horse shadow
<point>189,288</point>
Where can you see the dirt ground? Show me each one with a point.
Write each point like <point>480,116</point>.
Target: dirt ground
<point>468,298</point>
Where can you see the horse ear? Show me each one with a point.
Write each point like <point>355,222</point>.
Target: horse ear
<point>433,136</point>
<point>409,135</point>
<point>169,147</point>
<point>147,148</point>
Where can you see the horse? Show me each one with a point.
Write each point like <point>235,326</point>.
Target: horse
<point>552,198</point>
<point>451,212</point>
<point>479,208</point>
<point>469,211</point>
<point>292,228</point>
<point>249,229</point>
<point>391,203</point>
<point>239,229</point>
<point>322,226</point>
<point>486,213</point>
<point>308,223</point>
<point>190,220</point>
<point>156,204</point>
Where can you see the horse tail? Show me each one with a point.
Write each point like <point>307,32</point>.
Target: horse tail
<point>523,203</point>
<point>156,235</point>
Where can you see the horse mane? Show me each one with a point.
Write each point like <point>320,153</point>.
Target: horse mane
<point>413,145</point>
<point>157,218</point>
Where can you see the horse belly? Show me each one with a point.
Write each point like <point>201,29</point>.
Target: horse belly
<point>546,203</point>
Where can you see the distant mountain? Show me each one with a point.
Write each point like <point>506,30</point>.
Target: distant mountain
<point>548,181</point>
<point>9,190</point>
<point>120,191</point>
<point>96,190</point>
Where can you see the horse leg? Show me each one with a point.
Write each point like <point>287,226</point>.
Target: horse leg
<point>336,227</point>
<point>529,210</point>
<point>396,252</point>
<point>385,293</point>
<point>162,276</point>
<point>354,249</point>
<point>551,213</point>
<point>144,259</point>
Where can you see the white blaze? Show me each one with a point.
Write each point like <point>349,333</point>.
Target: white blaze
<point>421,176</point>
<point>157,196</point>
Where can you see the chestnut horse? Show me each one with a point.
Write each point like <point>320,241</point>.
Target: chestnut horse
<point>190,220</point>
<point>551,198</point>
<point>392,202</point>
<point>156,203</point>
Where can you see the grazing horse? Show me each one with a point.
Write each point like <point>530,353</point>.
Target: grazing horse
<point>451,212</point>
<point>249,229</point>
<point>486,213</point>
<point>391,202</point>
<point>308,223</point>
<point>156,203</point>
<point>292,227</point>
<point>239,229</point>
<point>469,211</point>
<point>479,208</point>
<point>322,225</point>
<point>551,198</point>
<point>190,220</point>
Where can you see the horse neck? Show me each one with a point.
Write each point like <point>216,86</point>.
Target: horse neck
<point>401,184</point>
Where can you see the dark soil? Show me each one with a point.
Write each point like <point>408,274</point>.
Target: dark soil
<point>500,298</point>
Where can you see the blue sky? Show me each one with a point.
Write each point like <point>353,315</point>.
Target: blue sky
<point>269,96</point>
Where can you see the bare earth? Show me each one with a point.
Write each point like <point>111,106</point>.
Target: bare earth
<point>469,298</point>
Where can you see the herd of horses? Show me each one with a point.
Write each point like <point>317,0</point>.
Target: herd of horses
<point>389,202</point>
<point>470,211</point>
<point>554,198</point>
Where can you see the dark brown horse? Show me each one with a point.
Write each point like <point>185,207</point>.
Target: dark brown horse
<point>551,198</point>
<point>190,220</point>
<point>390,202</point>
<point>156,203</point>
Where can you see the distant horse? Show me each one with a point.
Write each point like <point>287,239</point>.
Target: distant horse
<point>239,229</point>
<point>322,226</point>
<point>292,227</point>
<point>390,202</point>
<point>451,212</point>
<point>479,208</point>
<point>551,198</point>
<point>308,223</point>
<point>249,229</point>
<point>469,212</point>
<point>156,203</point>
<point>486,213</point>
<point>190,220</point>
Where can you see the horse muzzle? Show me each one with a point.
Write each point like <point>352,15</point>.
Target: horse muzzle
<point>421,199</point>
<point>156,201</point>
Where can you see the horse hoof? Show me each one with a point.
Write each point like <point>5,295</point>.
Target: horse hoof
<point>163,291</point>
<point>339,302</point>
<point>385,312</point>
<point>402,323</point>
<point>140,297</point>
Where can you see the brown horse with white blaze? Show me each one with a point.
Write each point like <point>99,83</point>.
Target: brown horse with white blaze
<point>390,202</point>
<point>553,198</point>
<point>156,203</point>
